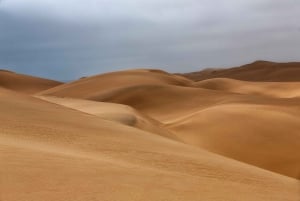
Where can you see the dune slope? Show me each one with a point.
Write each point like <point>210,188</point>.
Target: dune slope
<point>262,135</point>
<point>49,152</point>
<point>122,114</point>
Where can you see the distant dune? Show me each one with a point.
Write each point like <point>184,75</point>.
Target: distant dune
<point>150,135</point>
<point>271,89</point>
<point>264,71</point>
<point>24,83</point>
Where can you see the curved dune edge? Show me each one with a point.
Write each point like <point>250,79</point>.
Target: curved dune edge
<point>57,153</point>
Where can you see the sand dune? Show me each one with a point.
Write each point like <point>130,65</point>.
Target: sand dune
<point>149,135</point>
<point>92,86</point>
<point>156,94</point>
<point>183,109</point>
<point>272,89</point>
<point>256,118</point>
<point>54,153</point>
<point>24,83</point>
<point>257,71</point>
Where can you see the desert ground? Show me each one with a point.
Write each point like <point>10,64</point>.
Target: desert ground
<point>148,135</point>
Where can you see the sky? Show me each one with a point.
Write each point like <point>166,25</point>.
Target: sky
<point>68,39</point>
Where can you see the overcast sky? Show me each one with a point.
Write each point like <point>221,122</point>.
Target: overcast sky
<point>67,39</point>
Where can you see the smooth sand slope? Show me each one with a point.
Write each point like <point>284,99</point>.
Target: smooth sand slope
<point>257,71</point>
<point>261,130</point>
<point>266,136</point>
<point>50,152</point>
<point>24,83</point>
<point>122,114</point>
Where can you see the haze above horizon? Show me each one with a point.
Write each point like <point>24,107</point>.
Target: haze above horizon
<point>64,40</point>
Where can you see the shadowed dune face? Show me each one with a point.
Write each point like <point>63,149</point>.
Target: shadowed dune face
<point>24,83</point>
<point>55,153</point>
<point>257,71</point>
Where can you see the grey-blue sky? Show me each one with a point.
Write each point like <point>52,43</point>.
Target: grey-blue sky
<point>72,38</point>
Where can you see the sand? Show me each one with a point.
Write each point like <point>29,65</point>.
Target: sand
<point>221,115</point>
<point>149,135</point>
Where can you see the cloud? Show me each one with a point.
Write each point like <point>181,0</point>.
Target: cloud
<point>68,39</point>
